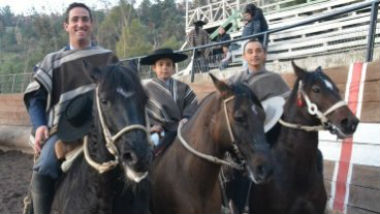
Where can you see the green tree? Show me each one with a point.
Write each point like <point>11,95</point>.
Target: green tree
<point>132,41</point>
<point>6,16</point>
<point>109,30</point>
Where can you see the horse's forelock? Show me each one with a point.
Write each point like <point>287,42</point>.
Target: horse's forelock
<point>319,76</point>
<point>242,90</point>
<point>117,76</point>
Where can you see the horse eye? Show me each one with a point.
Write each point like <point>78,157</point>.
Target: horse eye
<point>104,101</point>
<point>316,89</point>
<point>239,117</point>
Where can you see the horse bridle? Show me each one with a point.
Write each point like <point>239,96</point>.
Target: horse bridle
<point>213,159</point>
<point>110,140</point>
<point>312,109</point>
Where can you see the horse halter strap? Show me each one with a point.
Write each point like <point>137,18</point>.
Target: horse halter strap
<point>228,120</point>
<point>110,140</point>
<point>211,158</point>
<point>312,108</point>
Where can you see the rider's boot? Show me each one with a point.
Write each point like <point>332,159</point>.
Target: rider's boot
<point>42,190</point>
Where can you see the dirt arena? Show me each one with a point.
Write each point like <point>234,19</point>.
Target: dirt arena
<point>15,172</point>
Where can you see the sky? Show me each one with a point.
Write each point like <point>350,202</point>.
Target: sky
<point>52,6</point>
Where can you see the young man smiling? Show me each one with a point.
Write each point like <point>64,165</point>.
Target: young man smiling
<point>58,79</point>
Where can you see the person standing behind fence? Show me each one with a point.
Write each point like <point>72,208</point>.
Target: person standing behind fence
<point>222,36</point>
<point>198,37</point>
<point>254,22</point>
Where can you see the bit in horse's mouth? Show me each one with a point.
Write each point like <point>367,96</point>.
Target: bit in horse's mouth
<point>135,176</point>
<point>335,130</point>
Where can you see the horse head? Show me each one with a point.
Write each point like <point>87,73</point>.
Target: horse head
<point>240,129</point>
<point>120,108</point>
<point>319,98</point>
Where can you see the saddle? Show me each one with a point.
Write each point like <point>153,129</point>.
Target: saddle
<point>67,152</point>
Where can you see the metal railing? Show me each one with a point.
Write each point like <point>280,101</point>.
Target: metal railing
<point>373,5</point>
<point>14,83</point>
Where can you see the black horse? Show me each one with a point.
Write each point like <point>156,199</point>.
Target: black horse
<point>117,153</point>
<point>297,185</point>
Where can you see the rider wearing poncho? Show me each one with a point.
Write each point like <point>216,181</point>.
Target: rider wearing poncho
<point>59,78</point>
<point>267,86</point>
<point>170,100</point>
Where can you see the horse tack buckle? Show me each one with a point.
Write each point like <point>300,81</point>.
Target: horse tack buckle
<point>312,108</point>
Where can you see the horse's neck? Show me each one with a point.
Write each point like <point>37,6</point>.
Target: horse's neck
<point>297,145</point>
<point>198,134</point>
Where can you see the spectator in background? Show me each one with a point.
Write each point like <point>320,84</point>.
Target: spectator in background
<point>254,22</point>
<point>198,37</point>
<point>227,56</point>
<point>222,36</point>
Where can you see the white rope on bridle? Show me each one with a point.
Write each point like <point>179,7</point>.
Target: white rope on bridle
<point>211,158</point>
<point>110,140</point>
<point>312,109</point>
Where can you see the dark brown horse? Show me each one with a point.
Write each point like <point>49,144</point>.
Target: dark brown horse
<point>297,185</point>
<point>231,119</point>
<point>117,153</point>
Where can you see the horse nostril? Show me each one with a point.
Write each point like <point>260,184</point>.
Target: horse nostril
<point>344,123</point>
<point>354,124</point>
<point>260,170</point>
<point>264,171</point>
<point>130,157</point>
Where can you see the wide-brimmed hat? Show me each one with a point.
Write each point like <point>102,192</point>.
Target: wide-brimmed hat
<point>161,54</point>
<point>199,22</point>
<point>274,108</point>
<point>76,118</point>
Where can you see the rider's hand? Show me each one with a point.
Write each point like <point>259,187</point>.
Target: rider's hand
<point>184,120</point>
<point>156,129</point>
<point>42,134</point>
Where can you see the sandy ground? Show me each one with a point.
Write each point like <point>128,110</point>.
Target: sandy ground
<point>15,173</point>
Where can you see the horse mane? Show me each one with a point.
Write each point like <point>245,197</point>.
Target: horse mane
<point>239,89</point>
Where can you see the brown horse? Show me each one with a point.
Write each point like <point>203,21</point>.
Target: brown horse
<point>183,179</point>
<point>297,185</point>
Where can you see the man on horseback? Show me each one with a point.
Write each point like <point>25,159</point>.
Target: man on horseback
<point>58,79</point>
<point>265,85</point>
<point>170,100</point>
<point>271,89</point>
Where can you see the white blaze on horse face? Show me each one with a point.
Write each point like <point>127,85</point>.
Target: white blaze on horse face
<point>328,84</point>
<point>124,93</point>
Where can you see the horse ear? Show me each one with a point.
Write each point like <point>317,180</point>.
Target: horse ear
<point>298,71</point>
<point>221,86</point>
<point>95,73</point>
<point>319,69</point>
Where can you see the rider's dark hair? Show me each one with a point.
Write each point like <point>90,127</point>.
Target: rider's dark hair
<point>74,5</point>
<point>252,41</point>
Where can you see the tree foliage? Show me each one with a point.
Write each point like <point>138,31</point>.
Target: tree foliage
<point>126,29</point>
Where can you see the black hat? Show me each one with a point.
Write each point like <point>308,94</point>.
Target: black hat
<point>199,23</point>
<point>161,54</point>
<point>76,117</point>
